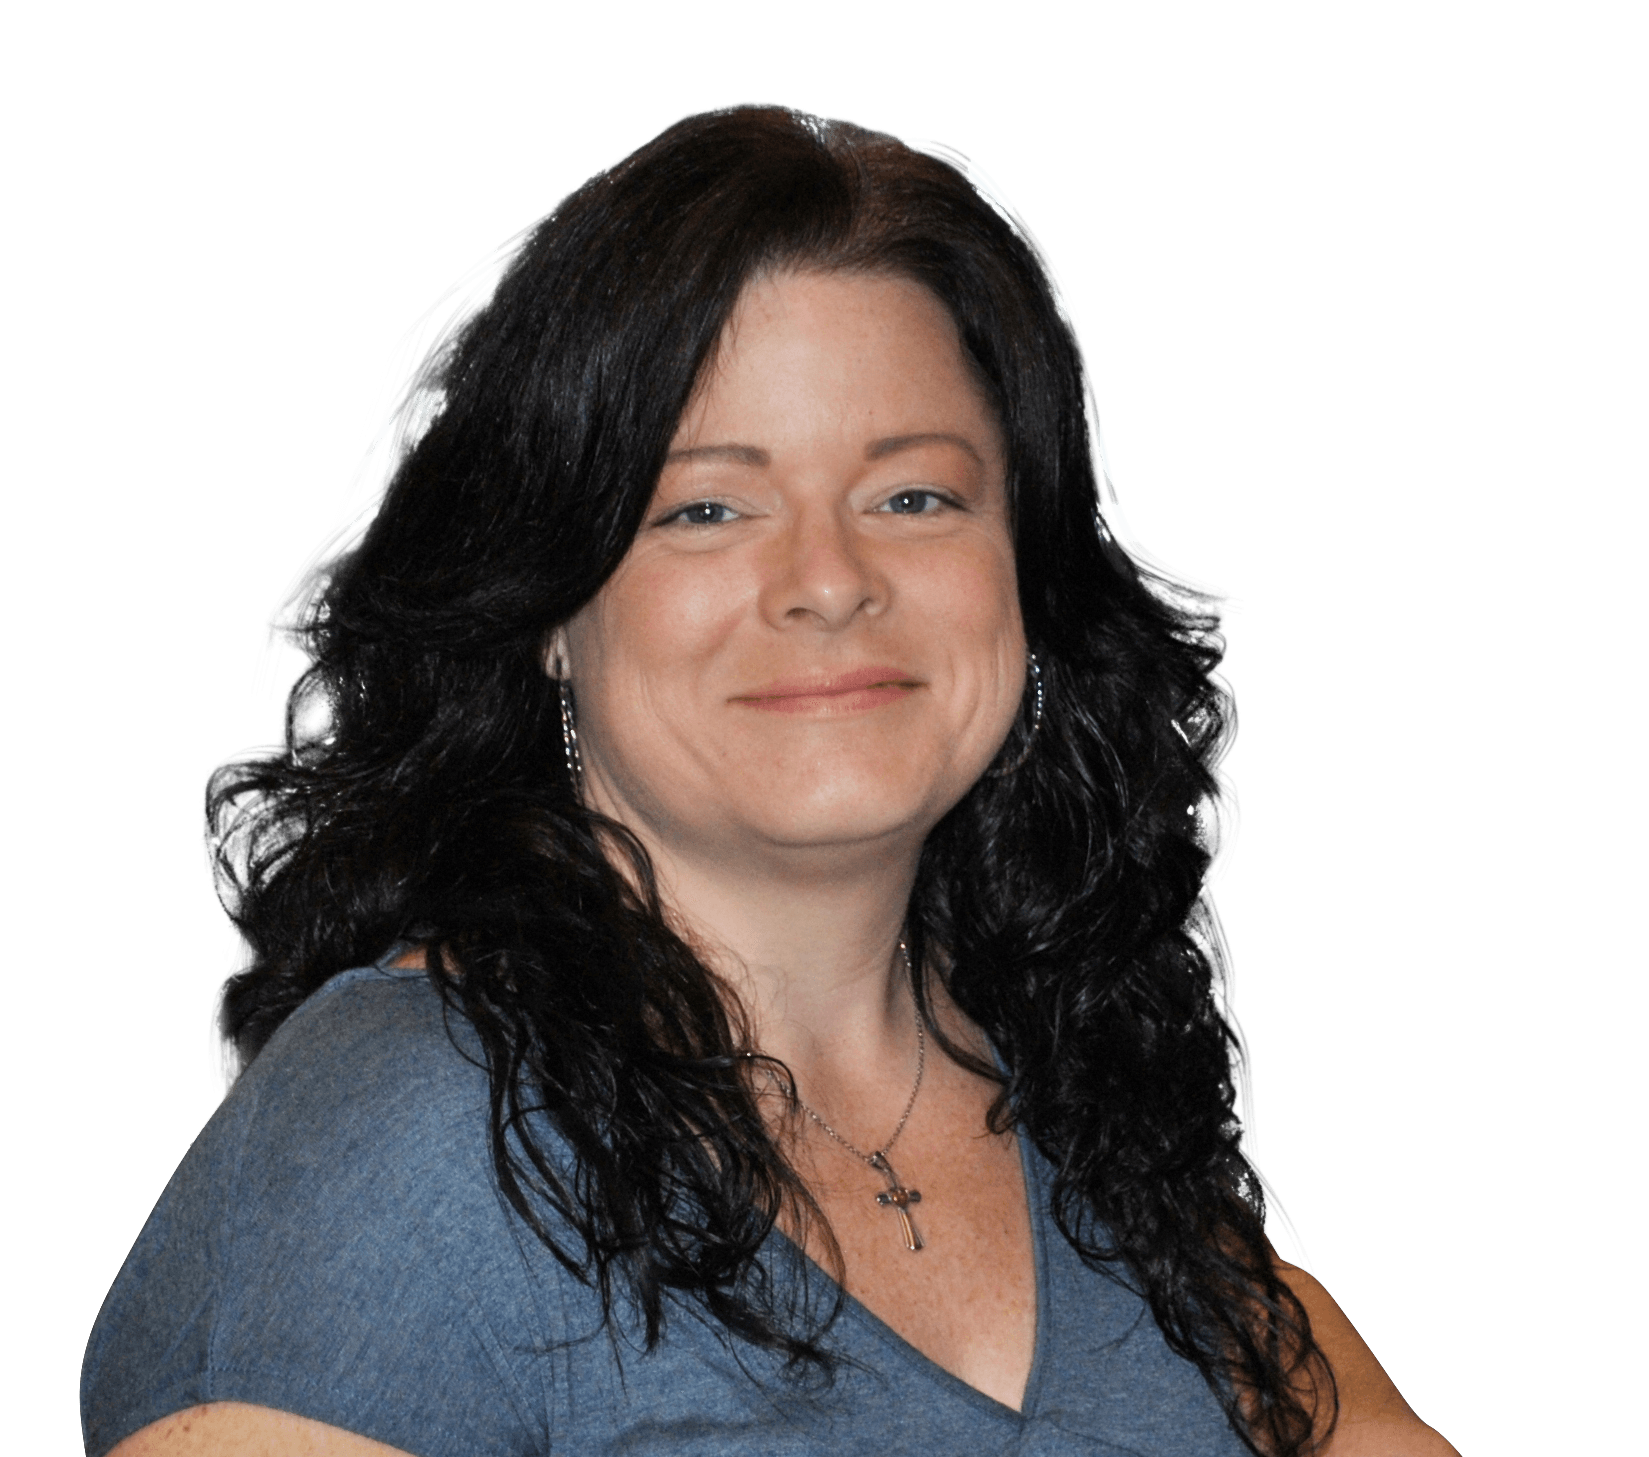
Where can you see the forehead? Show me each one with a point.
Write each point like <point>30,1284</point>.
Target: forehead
<point>809,350</point>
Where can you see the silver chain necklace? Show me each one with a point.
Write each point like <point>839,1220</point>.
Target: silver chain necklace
<point>896,1196</point>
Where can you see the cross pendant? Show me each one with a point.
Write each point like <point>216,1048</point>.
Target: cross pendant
<point>899,1199</point>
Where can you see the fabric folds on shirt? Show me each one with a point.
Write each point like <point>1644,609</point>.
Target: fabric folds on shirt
<point>334,1245</point>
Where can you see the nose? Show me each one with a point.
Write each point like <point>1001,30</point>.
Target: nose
<point>820,573</point>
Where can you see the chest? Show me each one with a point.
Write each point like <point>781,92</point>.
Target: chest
<point>966,1297</point>
<point>1101,1379</point>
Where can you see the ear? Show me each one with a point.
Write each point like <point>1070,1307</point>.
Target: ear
<point>557,663</point>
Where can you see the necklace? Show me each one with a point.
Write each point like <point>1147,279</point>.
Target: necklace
<point>896,1196</point>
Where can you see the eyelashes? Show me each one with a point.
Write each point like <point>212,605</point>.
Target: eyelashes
<point>910,501</point>
<point>700,513</point>
<point>917,501</point>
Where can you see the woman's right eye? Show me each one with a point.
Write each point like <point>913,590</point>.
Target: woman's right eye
<point>701,513</point>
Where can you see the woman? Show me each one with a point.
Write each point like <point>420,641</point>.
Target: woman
<point>728,966</point>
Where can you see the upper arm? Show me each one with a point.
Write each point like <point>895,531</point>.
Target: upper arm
<point>237,1429</point>
<point>1374,1421</point>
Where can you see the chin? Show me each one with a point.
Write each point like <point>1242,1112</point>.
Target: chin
<point>839,815</point>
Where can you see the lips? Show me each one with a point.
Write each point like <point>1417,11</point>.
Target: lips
<point>842,693</point>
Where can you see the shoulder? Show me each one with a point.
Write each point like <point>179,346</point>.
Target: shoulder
<point>368,1036</point>
<point>367,1111</point>
<point>1374,1420</point>
<point>334,1245</point>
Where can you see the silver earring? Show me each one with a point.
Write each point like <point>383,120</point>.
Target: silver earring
<point>1017,762</point>
<point>569,739</point>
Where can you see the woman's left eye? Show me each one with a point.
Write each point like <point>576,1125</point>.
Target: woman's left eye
<point>913,503</point>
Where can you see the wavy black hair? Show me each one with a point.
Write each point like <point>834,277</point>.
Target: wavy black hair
<point>423,797</point>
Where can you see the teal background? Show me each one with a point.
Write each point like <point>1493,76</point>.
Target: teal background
<point>1362,293</point>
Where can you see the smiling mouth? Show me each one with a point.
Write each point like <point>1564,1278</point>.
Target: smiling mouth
<point>842,701</point>
<point>849,693</point>
<point>828,693</point>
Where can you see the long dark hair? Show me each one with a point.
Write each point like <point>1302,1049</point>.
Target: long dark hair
<point>423,797</point>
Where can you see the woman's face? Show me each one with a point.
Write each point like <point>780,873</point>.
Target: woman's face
<point>815,640</point>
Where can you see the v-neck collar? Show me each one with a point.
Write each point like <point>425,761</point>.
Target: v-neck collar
<point>924,1366</point>
<point>854,1310</point>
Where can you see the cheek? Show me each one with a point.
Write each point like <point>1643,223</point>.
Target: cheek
<point>988,621</point>
<point>976,603</point>
<point>652,625</point>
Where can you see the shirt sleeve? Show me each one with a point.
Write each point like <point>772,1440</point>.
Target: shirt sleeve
<point>334,1246</point>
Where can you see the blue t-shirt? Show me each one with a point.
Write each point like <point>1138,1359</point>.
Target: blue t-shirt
<point>334,1245</point>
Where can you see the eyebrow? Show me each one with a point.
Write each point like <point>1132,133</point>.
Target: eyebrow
<point>738,454</point>
<point>876,450</point>
<point>881,449</point>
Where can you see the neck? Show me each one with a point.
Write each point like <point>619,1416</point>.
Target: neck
<point>813,959</point>
<point>806,942</point>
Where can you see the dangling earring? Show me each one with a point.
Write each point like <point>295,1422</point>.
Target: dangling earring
<point>1035,670</point>
<point>569,739</point>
